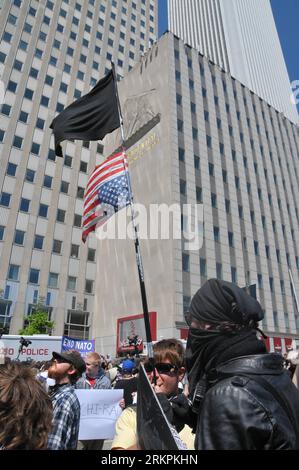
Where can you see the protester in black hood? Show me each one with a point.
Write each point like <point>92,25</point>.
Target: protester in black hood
<point>243,396</point>
<point>223,320</point>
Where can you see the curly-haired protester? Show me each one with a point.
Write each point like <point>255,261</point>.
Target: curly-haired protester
<point>25,409</point>
<point>244,397</point>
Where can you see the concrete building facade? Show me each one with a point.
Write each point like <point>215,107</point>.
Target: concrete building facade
<point>199,136</point>
<point>241,37</point>
<point>51,53</point>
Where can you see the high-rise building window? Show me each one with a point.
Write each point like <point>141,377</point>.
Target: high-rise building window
<point>203,267</point>
<point>53,280</point>
<point>216,234</point>
<point>213,200</point>
<point>286,320</point>
<point>71,283</point>
<point>38,242</point>
<point>231,239</point>
<point>13,272</point>
<point>23,117</point>
<point>74,251</point>
<point>23,45</point>
<point>180,125</point>
<point>185,262</point>
<point>183,187</point>
<point>51,155</point>
<point>80,192</point>
<point>19,237</point>
<point>60,217</point>
<point>18,65</point>
<point>57,246</point>
<point>12,19</point>
<point>24,204</point>
<point>64,187</point>
<point>77,220</point>
<point>44,101</point>
<point>91,254</point>
<point>29,175</point>
<point>227,206</point>
<point>47,181</point>
<point>275,319</point>
<point>35,148</point>
<point>11,169</point>
<point>40,123</point>
<point>181,154</point>
<point>68,160</point>
<point>6,37</point>
<point>2,57</point>
<point>219,270</point>
<point>196,162</point>
<point>234,274</point>
<point>43,210</point>
<point>34,276</point>
<point>83,166</point>
<point>88,286</point>
<point>260,281</point>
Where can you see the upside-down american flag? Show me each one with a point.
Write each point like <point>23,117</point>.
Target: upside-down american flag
<point>106,193</point>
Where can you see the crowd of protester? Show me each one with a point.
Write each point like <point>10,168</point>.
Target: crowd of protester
<point>223,391</point>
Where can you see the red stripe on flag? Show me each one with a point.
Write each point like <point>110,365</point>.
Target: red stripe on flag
<point>113,166</point>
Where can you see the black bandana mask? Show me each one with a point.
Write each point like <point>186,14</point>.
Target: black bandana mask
<point>223,324</point>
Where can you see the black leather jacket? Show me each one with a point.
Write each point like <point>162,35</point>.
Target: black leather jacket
<point>238,413</point>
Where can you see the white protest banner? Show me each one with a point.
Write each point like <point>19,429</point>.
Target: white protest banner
<point>99,413</point>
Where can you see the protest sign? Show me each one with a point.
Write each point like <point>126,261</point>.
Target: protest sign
<point>99,413</point>
<point>153,429</point>
<point>83,346</point>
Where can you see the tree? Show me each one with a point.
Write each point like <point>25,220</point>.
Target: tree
<point>37,322</point>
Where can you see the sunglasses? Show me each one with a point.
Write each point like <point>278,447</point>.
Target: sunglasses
<point>161,368</point>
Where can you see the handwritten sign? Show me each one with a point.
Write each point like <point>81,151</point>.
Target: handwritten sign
<point>83,346</point>
<point>99,412</point>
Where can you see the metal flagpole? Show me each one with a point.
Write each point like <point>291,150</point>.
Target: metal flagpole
<point>136,239</point>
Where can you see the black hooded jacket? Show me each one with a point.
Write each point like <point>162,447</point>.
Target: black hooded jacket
<point>240,414</point>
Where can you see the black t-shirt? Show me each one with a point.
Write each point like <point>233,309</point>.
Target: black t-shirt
<point>129,386</point>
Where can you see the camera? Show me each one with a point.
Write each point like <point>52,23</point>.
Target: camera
<point>24,342</point>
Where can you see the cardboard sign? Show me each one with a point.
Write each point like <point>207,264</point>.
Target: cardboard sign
<point>99,412</point>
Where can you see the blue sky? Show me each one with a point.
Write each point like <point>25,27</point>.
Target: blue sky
<point>286,14</point>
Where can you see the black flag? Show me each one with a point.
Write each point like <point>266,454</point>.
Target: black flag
<point>91,117</point>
